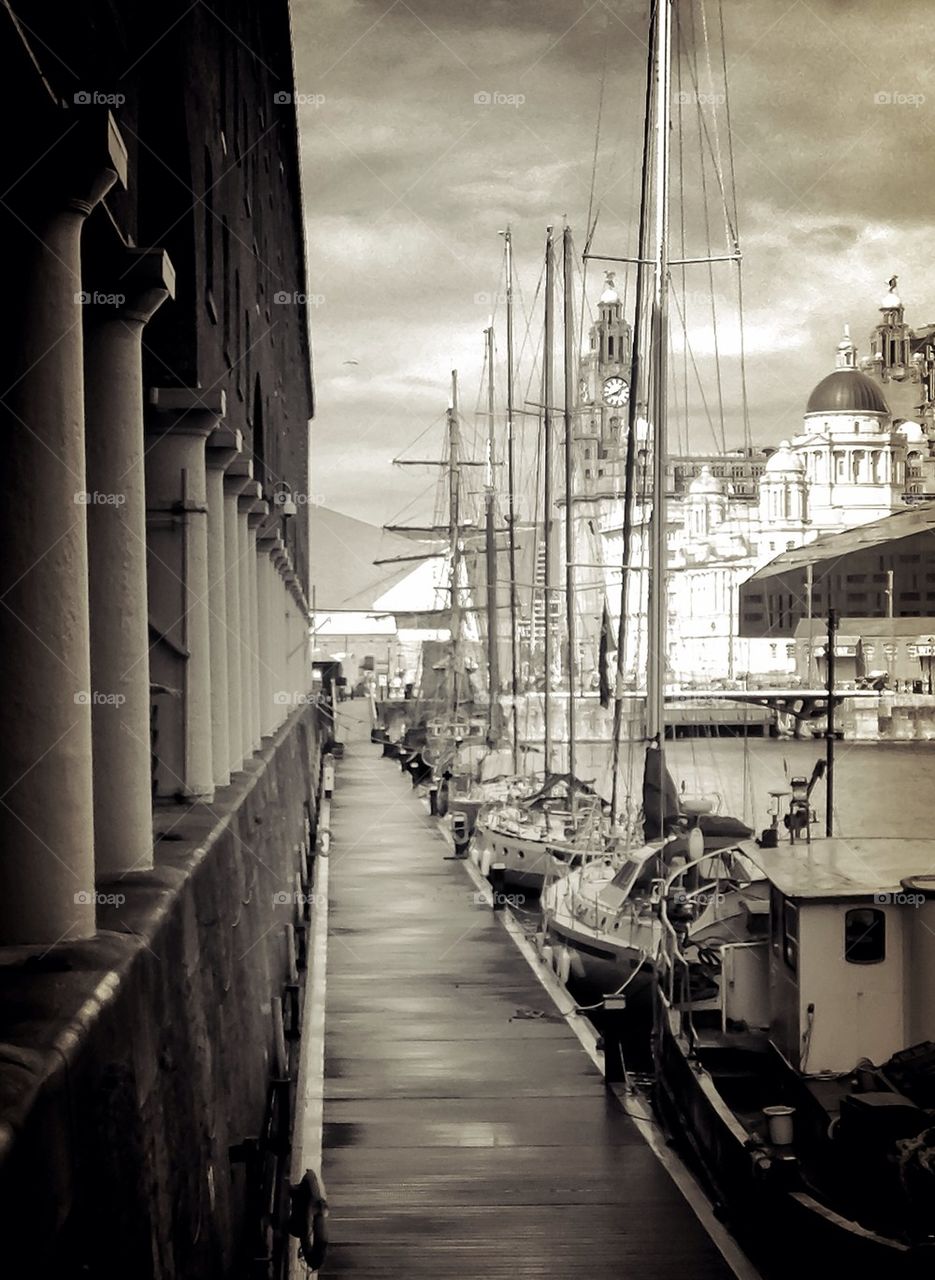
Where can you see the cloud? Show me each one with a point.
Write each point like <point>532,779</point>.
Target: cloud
<point>409,180</point>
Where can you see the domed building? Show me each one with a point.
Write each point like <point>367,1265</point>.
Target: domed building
<point>784,489</point>
<point>853,462</point>
<point>854,455</point>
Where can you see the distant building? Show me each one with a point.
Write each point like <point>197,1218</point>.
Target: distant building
<point>729,514</point>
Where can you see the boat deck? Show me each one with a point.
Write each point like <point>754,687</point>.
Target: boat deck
<point>465,1130</point>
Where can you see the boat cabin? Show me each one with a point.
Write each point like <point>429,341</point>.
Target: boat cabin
<point>850,960</point>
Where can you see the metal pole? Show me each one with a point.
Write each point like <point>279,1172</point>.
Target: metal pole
<point>547,497</point>
<point>656,674</point>
<point>493,639</point>
<point>511,498</point>
<point>568,326</point>
<point>829,736</point>
<point>809,580</point>
<point>632,409</point>
<point>454,504</point>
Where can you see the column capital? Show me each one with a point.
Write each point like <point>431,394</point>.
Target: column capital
<point>249,496</point>
<point>137,284</point>
<point>257,514</point>
<point>223,445</point>
<point>80,162</point>
<point>184,410</point>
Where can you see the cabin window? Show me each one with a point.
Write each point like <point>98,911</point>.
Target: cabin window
<point>790,935</point>
<point>864,936</point>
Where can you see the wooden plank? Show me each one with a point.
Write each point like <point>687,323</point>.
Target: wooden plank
<point>465,1130</point>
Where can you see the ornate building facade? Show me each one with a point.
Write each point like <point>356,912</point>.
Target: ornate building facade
<point>865,448</point>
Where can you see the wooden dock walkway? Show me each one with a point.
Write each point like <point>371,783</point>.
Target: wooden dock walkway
<point>466,1132</point>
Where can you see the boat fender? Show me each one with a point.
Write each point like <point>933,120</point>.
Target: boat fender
<point>485,862</point>
<point>563,964</point>
<point>547,952</point>
<point>308,1211</point>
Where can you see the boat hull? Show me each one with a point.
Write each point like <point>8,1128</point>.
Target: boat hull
<point>527,861</point>
<point>768,1208</point>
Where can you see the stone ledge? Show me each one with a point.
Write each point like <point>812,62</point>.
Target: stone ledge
<point>124,1057</point>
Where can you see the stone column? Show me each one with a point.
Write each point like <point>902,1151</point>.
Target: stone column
<point>179,423</point>
<point>267,599</point>
<point>223,446</point>
<point>249,659</point>
<point>46,789</point>
<point>116,504</point>
<point>233,483</point>
<point>255,520</point>
<point>281,639</point>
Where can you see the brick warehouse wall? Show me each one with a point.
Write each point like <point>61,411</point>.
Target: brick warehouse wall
<point>137,1066</point>
<point>213,161</point>
<point>132,1065</point>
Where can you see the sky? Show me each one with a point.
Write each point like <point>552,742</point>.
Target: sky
<point>429,125</point>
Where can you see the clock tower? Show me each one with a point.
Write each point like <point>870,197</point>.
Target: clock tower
<point>603,395</point>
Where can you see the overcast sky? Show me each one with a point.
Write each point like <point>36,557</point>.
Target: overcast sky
<point>408,180</point>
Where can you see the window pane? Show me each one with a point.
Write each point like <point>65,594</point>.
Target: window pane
<point>864,936</point>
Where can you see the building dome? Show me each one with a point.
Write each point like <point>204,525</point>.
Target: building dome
<point>706,485</point>
<point>785,461</point>
<point>847,391</point>
<point>911,432</point>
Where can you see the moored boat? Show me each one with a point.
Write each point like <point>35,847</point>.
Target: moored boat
<point>795,1050</point>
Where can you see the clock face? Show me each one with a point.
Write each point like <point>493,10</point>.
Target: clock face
<point>616,391</point>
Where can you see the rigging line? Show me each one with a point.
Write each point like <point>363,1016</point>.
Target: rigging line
<point>714,117</point>
<point>710,267</point>
<point>590,222</point>
<point>394,519</point>
<point>693,71</point>
<point>745,406</point>
<point>691,355</point>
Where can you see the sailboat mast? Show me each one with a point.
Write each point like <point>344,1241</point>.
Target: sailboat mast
<point>493,653</point>
<point>511,497</point>
<point>636,353</point>
<point>568,336</point>
<point>454,520</point>
<point>547,497</point>
<point>656,672</point>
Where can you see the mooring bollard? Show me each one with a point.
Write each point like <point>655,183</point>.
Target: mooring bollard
<point>497,879</point>
<point>327,777</point>
<point>460,835</point>
<point>433,801</point>
<point>615,1070</point>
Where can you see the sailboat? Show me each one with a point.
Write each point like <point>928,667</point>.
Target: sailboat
<point>599,920</point>
<point>532,835</point>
